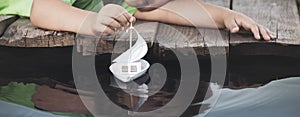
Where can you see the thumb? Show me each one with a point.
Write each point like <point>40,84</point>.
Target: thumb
<point>235,29</point>
<point>132,19</point>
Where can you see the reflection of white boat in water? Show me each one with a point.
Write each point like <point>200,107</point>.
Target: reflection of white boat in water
<point>130,65</point>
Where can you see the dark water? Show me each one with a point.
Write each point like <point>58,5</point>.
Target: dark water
<point>259,94</point>
<point>242,72</point>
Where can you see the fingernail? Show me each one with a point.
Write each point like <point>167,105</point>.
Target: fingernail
<point>235,29</point>
<point>273,36</point>
<point>127,24</point>
<point>131,19</point>
<point>122,28</point>
<point>258,37</point>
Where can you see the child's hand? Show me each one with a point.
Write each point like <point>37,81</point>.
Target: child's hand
<point>110,19</point>
<point>233,20</point>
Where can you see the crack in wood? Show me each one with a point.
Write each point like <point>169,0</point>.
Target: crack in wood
<point>231,4</point>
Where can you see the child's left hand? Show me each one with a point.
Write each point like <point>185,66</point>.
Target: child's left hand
<point>234,20</point>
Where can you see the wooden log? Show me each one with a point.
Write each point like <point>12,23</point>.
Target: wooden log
<point>24,34</point>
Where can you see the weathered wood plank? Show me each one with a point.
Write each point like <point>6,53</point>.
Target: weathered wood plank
<point>180,38</point>
<point>280,16</point>
<point>5,21</point>
<point>174,36</point>
<point>171,37</point>
<point>24,34</point>
<point>217,40</point>
<point>288,27</point>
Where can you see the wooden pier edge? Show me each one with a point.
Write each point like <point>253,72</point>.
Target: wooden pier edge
<point>281,16</point>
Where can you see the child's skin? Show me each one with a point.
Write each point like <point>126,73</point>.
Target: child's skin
<point>111,17</point>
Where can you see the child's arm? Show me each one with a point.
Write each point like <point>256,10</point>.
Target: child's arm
<point>56,15</point>
<point>196,13</point>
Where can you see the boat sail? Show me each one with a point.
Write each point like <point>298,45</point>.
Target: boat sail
<point>130,65</point>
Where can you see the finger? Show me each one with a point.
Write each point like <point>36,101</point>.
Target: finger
<point>42,105</point>
<point>112,23</point>
<point>129,17</point>
<point>40,88</point>
<point>132,19</point>
<point>122,19</point>
<point>100,30</point>
<point>61,87</point>
<point>235,29</point>
<point>245,24</point>
<point>264,33</point>
<point>108,21</point>
<point>271,34</point>
<point>108,30</point>
<point>36,97</point>
<point>38,103</point>
<point>254,29</point>
<point>232,25</point>
<point>87,93</point>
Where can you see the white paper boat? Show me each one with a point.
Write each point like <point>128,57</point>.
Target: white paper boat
<point>130,65</point>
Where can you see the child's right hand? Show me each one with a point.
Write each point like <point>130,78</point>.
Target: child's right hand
<point>109,19</point>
